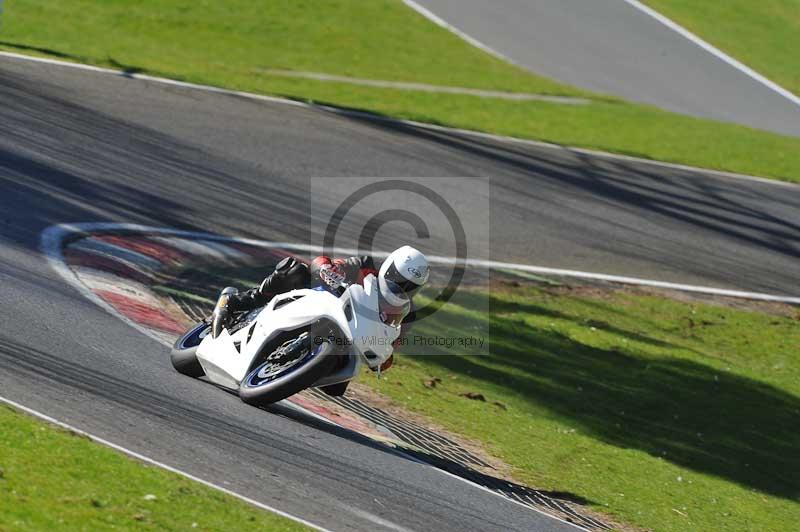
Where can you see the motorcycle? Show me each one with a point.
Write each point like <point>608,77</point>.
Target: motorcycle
<point>303,338</point>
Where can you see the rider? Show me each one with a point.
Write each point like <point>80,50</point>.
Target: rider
<point>400,277</point>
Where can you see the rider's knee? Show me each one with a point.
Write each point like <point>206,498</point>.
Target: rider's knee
<point>289,274</point>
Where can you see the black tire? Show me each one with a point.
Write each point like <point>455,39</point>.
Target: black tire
<point>296,379</point>
<point>335,390</point>
<point>183,354</point>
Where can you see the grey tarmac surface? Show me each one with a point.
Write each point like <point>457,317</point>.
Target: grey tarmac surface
<point>611,47</point>
<point>77,146</point>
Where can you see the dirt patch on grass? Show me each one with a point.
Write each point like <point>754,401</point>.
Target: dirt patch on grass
<point>765,307</point>
<point>604,291</point>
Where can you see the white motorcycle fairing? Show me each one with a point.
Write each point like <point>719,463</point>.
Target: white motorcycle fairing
<point>352,323</point>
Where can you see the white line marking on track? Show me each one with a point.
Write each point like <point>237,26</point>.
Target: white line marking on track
<point>484,488</point>
<point>420,125</point>
<point>436,19</point>
<point>380,521</point>
<point>52,237</point>
<point>156,463</point>
<point>719,54</point>
<point>624,280</point>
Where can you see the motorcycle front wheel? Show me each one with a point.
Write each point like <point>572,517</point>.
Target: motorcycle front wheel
<point>184,352</point>
<point>292,367</point>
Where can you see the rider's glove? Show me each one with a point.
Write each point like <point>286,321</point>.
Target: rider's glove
<point>333,275</point>
<point>338,273</point>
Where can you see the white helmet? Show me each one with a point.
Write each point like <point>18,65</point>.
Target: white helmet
<point>402,274</point>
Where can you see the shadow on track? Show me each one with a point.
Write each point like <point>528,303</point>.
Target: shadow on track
<point>67,162</point>
<point>718,207</point>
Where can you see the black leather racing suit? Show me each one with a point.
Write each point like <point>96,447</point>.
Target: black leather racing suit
<point>291,274</point>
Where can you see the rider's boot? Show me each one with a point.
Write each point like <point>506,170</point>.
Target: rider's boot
<point>222,314</point>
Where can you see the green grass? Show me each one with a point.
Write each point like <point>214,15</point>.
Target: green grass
<point>763,35</point>
<point>230,44</point>
<point>227,43</point>
<point>668,415</point>
<point>51,479</point>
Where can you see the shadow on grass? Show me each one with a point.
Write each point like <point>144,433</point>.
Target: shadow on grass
<point>677,409</point>
<point>127,70</point>
<point>680,410</point>
<point>48,51</point>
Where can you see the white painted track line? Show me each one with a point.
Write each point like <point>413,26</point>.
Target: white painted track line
<point>148,460</point>
<point>433,17</point>
<point>378,118</point>
<point>716,52</point>
<point>719,54</point>
<point>54,235</point>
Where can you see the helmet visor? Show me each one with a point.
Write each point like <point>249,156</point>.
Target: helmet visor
<point>399,285</point>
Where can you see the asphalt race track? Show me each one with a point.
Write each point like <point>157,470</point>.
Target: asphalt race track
<point>78,146</point>
<point>609,46</point>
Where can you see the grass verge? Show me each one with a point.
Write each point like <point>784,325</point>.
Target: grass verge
<point>51,479</point>
<point>668,415</point>
<point>231,44</point>
<point>764,35</point>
